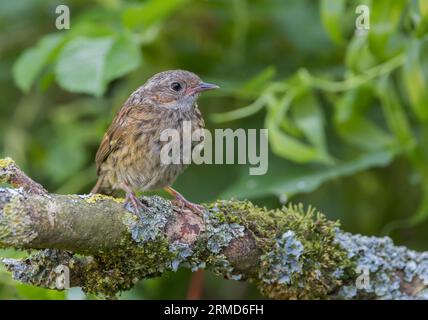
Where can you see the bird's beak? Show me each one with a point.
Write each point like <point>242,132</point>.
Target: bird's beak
<point>204,86</point>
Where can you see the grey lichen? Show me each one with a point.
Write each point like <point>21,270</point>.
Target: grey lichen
<point>289,252</point>
<point>41,268</point>
<point>152,223</point>
<point>220,231</point>
<point>338,273</point>
<point>301,260</point>
<point>182,252</point>
<point>15,227</point>
<point>283,260</point>
<point>220,234</point>
<point>388,268</point>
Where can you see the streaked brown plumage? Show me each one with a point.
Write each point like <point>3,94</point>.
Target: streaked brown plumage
<point>129,155</point>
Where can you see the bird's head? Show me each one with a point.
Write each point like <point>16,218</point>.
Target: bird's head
<point>176,88</point>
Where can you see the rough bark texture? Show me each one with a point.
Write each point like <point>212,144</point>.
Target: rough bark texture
<point>287,253</point>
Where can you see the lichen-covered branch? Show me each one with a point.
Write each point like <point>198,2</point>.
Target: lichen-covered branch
<point>287,253</point>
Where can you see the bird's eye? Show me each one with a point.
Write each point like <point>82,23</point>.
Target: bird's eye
<point>176,86</point>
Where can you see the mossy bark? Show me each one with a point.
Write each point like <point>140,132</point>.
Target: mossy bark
<point>287,253</point>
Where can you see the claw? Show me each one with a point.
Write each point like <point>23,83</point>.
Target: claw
<point>178,198</point>
<point>135,203</point>
<point>190,205</point>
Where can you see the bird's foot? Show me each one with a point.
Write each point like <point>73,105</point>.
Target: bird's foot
<point>182,201</point>
<point>135,203</point>
<point>196,208</point>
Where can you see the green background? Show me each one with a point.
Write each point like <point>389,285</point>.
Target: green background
<point>347,113</point>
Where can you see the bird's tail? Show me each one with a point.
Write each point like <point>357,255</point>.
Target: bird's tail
<point>101,187</point>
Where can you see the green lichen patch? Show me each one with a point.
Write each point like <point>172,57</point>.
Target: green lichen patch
<point>94,198</point>
<point>118,271</point>
<point>5,162</point>
<point>4,174</point>
<point>310,257</point>
<point>301,254</point>
<point>264,224</point>
<point>220,265</point>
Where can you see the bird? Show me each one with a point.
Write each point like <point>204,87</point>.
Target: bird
<point>129,156</point>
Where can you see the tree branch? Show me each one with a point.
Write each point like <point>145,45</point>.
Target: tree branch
<point>287,253</point>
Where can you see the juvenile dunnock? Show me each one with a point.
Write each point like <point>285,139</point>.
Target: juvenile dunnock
<point>129,155</point>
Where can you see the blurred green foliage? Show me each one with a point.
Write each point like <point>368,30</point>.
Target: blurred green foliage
<point>347,112</point>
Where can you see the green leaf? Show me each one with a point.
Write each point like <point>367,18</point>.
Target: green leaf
<point>81,65</point>
<point>124,57</point>
<point>384,20</point>
<point>32,61</point>
<point>150,12</point>
<point>358,56</point>
<point>351,103</point>
<point>87,64</point>
<point>351,124</point>
<point>415,80</point>
<point>287,179</point>
<point>308,116</point>
<point>240,113</point>
<point>288,147</point>
<point>393,111</point>
<point>419,159</point>
<point>66,158</point>
<point>332,12</point>
<point>258,82</point>
<point>284,144</point>
<point>423,5</point>
<point>364,134</point>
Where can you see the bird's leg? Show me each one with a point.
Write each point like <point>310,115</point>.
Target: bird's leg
<point>184,202</point>
<point>135,202</point>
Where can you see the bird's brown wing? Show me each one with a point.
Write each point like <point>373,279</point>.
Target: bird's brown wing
<point>114,136</point>
<point>132,119</point>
